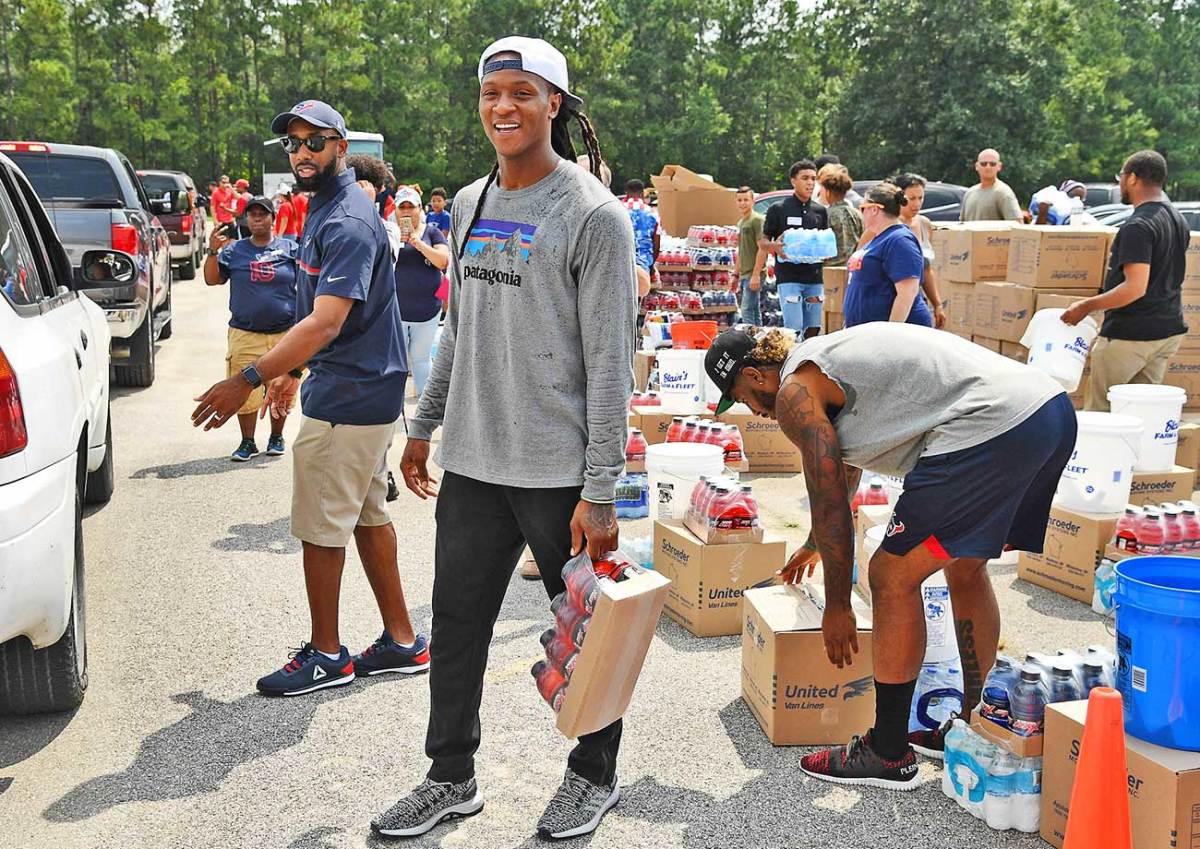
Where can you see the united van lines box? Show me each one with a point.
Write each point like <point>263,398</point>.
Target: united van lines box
<point>643,364</point>
<point>799,697</point>
<point>1003,310</point>
<point>611,658</point>
<point>1074,544</point>
<point>1157,487</point>
<point>1184,370</point>
<point>977,251</point>
<point>1191,274</point>
<point>686,199</point>
<point>766,446</point>
<point>1163,784</point>
<point>834,277</point>
<point>1057,257</point>
<point>707,581</point>
<point>992,345</point>
<point>959,301</point>
<point>939,240</point>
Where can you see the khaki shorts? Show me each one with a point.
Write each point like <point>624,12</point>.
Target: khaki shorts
<point>339,480</point>
<point>245,347</point>
<point>1118,361</point>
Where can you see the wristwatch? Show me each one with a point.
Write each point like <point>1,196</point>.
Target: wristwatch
<point>297,373</point>
<point>211,252</point>
<point>250,373</point>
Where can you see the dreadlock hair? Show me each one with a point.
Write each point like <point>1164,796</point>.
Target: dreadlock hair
<point>564,146</point>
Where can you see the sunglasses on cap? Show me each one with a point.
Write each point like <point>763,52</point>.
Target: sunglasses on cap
<point>316,144</point>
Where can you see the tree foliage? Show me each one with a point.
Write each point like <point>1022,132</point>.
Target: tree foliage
<point>735,88</point>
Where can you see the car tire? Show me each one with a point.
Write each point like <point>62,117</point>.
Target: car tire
<point>166,331</point>
<point>100,483</point>
<point>140,370</point>
<point>55,678</point>
<point>187,271</point>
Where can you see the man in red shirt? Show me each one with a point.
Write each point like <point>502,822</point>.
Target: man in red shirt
<point>300,203</point>
<point>241,197</point>
<point>286,221</point>
<point>222,201</point>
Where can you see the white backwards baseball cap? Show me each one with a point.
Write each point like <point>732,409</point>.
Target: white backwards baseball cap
<point>535,56</point>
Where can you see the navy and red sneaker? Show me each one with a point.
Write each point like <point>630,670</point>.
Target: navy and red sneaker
<point>932,744</point>
<point>307,671</point>
<point>387,655</point>
<point>858,763</point>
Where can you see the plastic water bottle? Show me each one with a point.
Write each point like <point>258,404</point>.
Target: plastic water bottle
<point>675,431</point>
<point>551,683</point>
<point>1001,785</point>
<point>876,494</point>
<point>1151,533</point>
<point>981,754</point>
<point>635,446</point>
<point>1125,535</point>
<point>1043,662</point>
<point>997,686</point>
<point>1172,529</point>
<point>829,244</point>
<point>1062,683</point>
<point>1027,703</point>
<point>735,450</point>
<point>633,496</point>
<point>1104,585</point>
<point>1027,795</point>
<point>937,696</point>
<point>1095,674</point>
<point>1191,526</point>
<point>953,744</point>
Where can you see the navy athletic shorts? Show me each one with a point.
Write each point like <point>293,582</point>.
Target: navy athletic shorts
<point>971,503</point>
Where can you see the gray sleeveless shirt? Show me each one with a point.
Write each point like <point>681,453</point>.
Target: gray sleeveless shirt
<point>915,392</point>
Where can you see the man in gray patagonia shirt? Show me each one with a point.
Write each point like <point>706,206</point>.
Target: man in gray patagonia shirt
<point>530,387</point>
<point>981,441</point>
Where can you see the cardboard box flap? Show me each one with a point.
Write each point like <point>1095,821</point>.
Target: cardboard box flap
<point>676,178</point>
<point>798,607</point>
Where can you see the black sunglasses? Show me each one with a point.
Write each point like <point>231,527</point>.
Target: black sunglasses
<point>316,144</point>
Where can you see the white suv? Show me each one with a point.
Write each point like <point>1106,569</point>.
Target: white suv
<point>55,450</point>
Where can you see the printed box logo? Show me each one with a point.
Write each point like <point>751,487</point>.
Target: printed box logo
<point>675,553</point>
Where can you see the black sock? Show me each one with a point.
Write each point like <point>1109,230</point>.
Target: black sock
<point>893,702</point>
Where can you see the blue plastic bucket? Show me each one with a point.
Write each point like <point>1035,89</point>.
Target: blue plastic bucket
<point>1158,649</point>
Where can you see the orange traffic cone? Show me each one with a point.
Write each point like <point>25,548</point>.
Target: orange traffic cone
<point>1099,813</point>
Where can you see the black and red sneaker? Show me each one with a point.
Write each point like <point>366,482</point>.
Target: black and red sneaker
<point>932,744</point>
<point>858,763</point>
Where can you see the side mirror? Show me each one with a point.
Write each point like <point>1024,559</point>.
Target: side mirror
<point>160,206</point>
<point>104,268</point>
<point>182,200</point>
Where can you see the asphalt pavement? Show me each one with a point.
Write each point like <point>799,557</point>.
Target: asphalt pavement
<point>194,590</point>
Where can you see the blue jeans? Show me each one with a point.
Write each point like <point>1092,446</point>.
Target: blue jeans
<point>418,339</point>
<point>751,303</point>
<point>801,304</point>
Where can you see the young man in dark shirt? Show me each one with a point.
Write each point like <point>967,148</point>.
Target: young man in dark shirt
<point>801,291</point>
<point>1143,320</point>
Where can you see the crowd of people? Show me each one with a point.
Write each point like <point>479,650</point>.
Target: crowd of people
<point>541,267</point>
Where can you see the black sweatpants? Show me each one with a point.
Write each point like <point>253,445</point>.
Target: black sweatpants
<point>482,529</point>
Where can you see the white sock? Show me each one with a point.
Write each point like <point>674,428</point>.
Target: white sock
<point>337,656</point>
<point>406,646</point>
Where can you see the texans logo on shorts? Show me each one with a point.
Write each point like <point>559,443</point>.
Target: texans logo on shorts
<point>895,526</point>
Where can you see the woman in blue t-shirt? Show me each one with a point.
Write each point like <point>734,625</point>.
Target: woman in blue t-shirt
<point>885,274</point>
<point>423,256</point>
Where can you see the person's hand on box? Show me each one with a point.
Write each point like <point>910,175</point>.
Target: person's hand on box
<point>839,627</point>
<point>598,523</point>
<point>804,558</point>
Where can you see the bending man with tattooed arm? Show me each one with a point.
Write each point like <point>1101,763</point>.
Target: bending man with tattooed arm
<point>981,442</point>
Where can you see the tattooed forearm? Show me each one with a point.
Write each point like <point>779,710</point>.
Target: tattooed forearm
<point>853,476</point>
<point>804,422</point>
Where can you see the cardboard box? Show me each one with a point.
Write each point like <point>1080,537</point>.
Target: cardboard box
<point>832,322</point>
<point>1157,487</point>
<point>1016,351</point>
<point>1022,747</point>
<point>767,449</point>
<point>939,240</point>
<point>798,697</point>
<point>1163,784</point>
<point>1187,451</point>
<point>959,302</point>
<point>1050,300</point>
<point>643,364</point>
<point>611,658</point>
<point>992,345</point>
<point>1191,274</point>
<point>1003,310</point>
<point>976,251</point>
<point>1074,544</point>
<point>1191,316</point>
<point>835,278</point>
<point>869,516</point>
<point>1184,370</point>
<point>1057,257</point>
<point>653,423</point>
<point>707,581</point>
<point>686,199</point>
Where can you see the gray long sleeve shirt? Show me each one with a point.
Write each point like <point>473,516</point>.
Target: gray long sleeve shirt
<point>534,368</point>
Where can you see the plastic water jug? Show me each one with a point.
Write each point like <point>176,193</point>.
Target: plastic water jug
<point>1059,349</point>
<point>1099,475</point>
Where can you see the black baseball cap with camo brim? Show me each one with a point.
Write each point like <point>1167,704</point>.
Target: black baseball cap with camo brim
<point>727,357</point>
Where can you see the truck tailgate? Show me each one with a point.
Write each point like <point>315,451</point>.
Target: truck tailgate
<point>81,229</point>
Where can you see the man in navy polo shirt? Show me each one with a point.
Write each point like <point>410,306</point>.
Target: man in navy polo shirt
<point>348,333</point>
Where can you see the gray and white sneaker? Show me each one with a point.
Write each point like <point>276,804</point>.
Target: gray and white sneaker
<point>426,806</point>
<point>577,807</point>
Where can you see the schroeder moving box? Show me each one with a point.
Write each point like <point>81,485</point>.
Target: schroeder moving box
<point>1074,544</point>
<point>799,697</point>
<point>1157,487</point>
<point>1183,370</point>
<point>1057,257</point>
<point>1163,784</point>
<point>1003,310</point>
<point>976,251</point>
<point>707,581</point>
<point>686,199</point>
<point>834,277</point>
<point>643,364</point>
<point>611,658</point>
<point>959,301</point>
<point>1191,316</point>
<point>1187,451</point>
<point>766,446</point>
<point>1191,274</point>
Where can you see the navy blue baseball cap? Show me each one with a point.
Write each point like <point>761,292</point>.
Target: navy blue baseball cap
<point>316,112</point>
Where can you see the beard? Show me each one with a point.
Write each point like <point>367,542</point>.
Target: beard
<point>317,180</point>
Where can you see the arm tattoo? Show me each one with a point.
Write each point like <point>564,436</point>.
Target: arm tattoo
<point>803,420</point>
<point>603,516</point>
<point>853,476</point>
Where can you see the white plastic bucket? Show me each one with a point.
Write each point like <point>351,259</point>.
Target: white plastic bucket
<point>1159,408</point>
<point>1059,349</point>
<point>941,644</point>
<point>673,468</point>
<point>681,381</point>
<point>1099,474</point>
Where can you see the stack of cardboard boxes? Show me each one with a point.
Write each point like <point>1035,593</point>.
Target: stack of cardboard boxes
<point>1184,368</point>
<point>832,316</point>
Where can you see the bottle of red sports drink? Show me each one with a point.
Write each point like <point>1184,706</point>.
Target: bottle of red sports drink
<point>717,505</point>
<point>1191,526</point>
<point>876,494</point>
<point>1125,535</point>
<point>714,433</point>
<point>706,500</point>
<point>652,399</point>
<point>572,623</point>
<point>1172,529</point>
<point>583,589</point>
<point>551,683</point>
<point>689,432</point>
<point>559,652</point>
<point>635,446</point>
<point>693,509</point>
<point>859,499</point>
<point>1151,533</point>
<point>731,438</point>
<point>675,431</point>
<point>701,432</point>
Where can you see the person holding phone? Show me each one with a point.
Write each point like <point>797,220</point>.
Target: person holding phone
<point>424,255</point>
<point>261,273</point>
